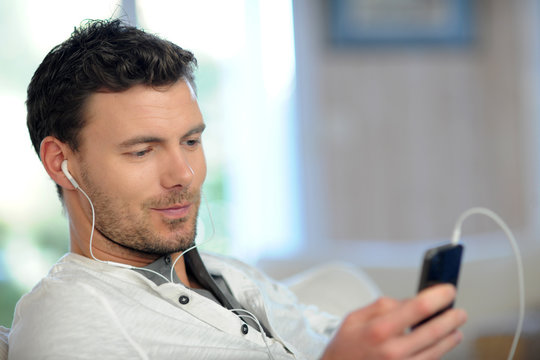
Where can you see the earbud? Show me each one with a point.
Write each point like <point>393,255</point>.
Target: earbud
<point>68,175</point>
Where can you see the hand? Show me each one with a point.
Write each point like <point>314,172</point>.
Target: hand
<point>380,330</point>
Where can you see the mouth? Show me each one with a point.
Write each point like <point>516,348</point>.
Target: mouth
<point>175,211</point>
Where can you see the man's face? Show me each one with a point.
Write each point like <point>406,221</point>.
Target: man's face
<point>142,164</point>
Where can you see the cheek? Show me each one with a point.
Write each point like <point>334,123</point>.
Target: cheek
<point>129,186</point>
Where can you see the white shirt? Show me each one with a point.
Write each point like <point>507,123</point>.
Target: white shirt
<point>84,309</point>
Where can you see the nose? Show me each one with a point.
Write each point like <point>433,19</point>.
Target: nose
<point>177,170</point>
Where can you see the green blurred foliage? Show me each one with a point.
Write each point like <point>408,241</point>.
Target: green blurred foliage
<point>10,295</point>
<point>3,234</point>
<point>51,236</point>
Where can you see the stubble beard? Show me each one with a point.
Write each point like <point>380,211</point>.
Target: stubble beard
<point>116,222</point>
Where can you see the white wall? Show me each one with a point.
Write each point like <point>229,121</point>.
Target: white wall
<point>397,142</point>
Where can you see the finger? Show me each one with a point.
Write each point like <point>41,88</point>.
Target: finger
<point>400,318</point>
<point>432,333</point>
<point>427,303</point>
<point>379,307</point>
<point>383,306</point>
<point>442,347</point>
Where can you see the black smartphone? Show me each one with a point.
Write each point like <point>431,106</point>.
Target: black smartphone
<point>441,265</point>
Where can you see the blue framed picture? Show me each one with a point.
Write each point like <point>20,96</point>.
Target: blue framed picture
<point>401,22</point>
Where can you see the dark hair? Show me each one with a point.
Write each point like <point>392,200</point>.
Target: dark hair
<point>100,55</point>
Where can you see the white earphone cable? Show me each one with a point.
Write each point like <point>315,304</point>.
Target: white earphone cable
<point>261,330</point>
<point>211,237</point>
<point>521,283</point>
<point>92,238</point>
<point>171,280</point>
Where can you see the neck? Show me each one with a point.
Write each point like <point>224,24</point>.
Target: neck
<point>182,273</point>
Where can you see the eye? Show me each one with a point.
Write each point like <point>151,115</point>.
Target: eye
<point>140,153</point>
<point>192,143</point>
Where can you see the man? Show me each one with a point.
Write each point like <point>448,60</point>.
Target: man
<point>113,115</point>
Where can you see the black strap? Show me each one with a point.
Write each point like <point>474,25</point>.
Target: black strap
<point>196,268</point>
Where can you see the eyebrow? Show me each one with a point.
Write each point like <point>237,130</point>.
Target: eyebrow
<point>196,130</point>
<point>154,139</point>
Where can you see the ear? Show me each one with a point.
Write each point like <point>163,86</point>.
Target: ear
<point>52,152</point>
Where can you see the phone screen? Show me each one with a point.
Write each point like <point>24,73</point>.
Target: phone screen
<point>441,265</point>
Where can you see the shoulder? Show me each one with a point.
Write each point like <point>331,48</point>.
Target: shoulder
<point>55,319</point>
<point>67,291</point>
<point>230,267</point>
<point>76,284</point>
<point>216,263</point>
<point>245,280</point>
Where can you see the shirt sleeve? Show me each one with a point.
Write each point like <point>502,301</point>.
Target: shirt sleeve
<point>74,323</point>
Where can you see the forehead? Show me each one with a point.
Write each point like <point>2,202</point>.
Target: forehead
<point>141,110</point>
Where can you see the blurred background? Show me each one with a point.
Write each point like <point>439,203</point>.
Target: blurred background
<point>338,130</point>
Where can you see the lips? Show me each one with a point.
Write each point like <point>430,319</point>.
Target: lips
<point>176,211</point>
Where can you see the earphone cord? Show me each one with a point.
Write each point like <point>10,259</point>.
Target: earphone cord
<point>246,313</point>
<point>93,222</point>
<point>171,279</point>
<point>110,262</point>
<point>211,237</point>
<point>261,330</point>
<point>521,283</point>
